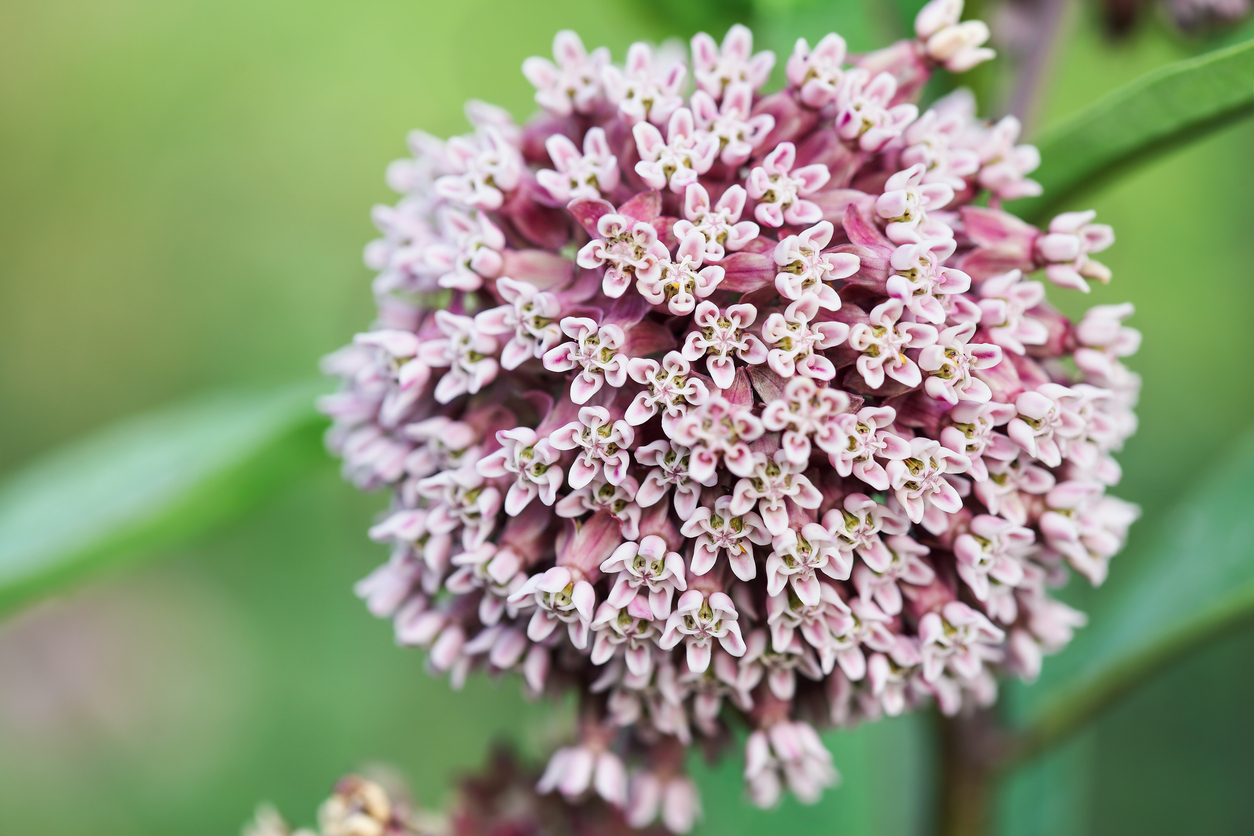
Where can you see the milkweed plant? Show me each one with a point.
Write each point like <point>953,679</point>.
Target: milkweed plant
<point>736,414</point>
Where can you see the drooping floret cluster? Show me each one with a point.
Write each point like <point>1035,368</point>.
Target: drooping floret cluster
<point>499,800</point>
<point>729,408</point>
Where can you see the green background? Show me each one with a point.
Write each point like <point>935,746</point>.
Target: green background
<point>184,194</point>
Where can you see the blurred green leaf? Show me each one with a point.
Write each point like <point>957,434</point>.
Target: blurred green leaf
<point>1052,796</point>
<point>1194,580</point>
<point>779,23</point>
<point>1165,108</point>
<point>148,481</point>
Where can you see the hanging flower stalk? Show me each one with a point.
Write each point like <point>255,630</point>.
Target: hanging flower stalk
<point>734,409</point>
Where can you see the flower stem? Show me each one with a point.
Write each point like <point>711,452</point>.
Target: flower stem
<point>972,747</point>
<point>1047,18</point>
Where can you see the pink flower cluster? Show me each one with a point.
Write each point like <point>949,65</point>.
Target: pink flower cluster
<point>734,409</point>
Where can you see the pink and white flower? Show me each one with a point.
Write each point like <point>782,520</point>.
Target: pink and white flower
<point>682,281</point>
<point>594,351</point>
<point>443,444</point>
<point>498,571</point>
<point>787,615</point>
<point>959,640</point>
<point>973,434</point>
<point>720,531</point>
<point>802,410</point>
<point>991,551</point>
<point>603,445</point>
<point>716,68</point>
<point>964,453</point>
<point>559,596</point>
<point>599,495</point>
<point>483,168</point>
<point>805,269</point>
<point>589,174</point>
<point>863,624</point>
<point>1010,486</point>
<point>720,224</point>
<point>856,527</point>
<point>865,115</point>
<point>386,361</point>
<point>922,282</point>
<point>669,463</point>
<point>957,46</point>
<point>795,340</point>
<point>722,337</point>
<point>1065,250</point>
<point>574,770</point>
<point>739,133</point>
<point>787,753</point>
<point>669,389</point>
<point>1005,303</point>
<point>1045,424</point>
<point>934,141</point>
<point>645,89</point>
<point>772,483</point>
<point>677,160</point>
<point>646,568</point>
<point>718,429</point>
<point>469,253</point>
<point>905,204</point>
<point>673,797</point>
<point>532,460</point>
<point>779,668</point>
<point>461,499</point>
<point>951,362</point>
<point>796,556</point>
<point>816,74</point>
<point>628,249</point>
<point>629,629</point>
<point>467,354</point>
<point>1004,166</point>
<point>920,482</point>
<point>883,343</point>
<point>780,189</point>
<point>856,440</point>
<point>700,620</point>
<point>905,565</point>
<point>530,316</point>
<point>889,675</point>
<point>573,84</point>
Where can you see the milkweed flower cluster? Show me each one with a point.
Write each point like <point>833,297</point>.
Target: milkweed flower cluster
<point>723,407</point>
<point>500,799</point>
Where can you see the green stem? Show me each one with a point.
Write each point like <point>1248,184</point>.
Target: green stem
<point>1078,707</point>
<point>973,748</point>
<point>1037,62</point>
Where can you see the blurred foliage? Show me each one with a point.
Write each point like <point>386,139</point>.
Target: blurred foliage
<point>1196,580</point>
<point>1153,115</point>
<point>240,670</point>
<point>186,196</point>
<point>149,481</point>
<point>1052,794</point>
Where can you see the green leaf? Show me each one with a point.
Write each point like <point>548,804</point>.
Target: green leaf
<point>149,481</point>
<point>1052,796</point>
<point>1193,578</point>
<point>1168,107</point>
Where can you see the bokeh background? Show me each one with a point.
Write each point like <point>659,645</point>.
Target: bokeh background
<point>184,194</point>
